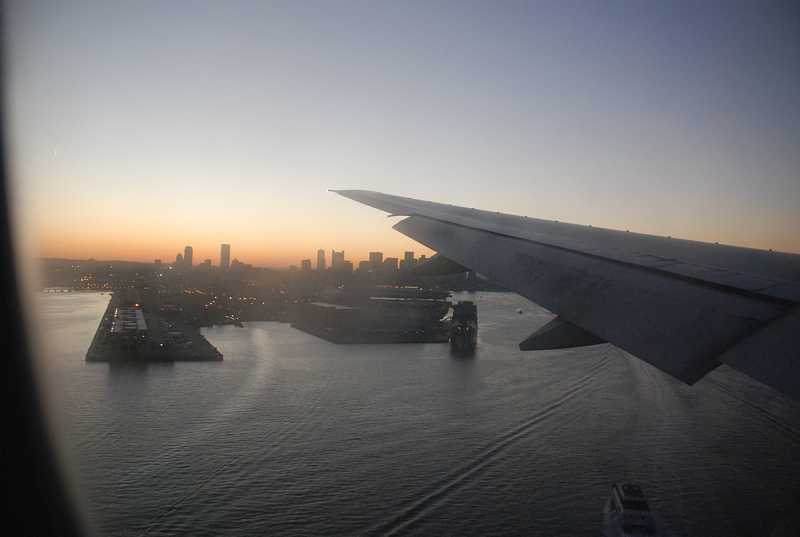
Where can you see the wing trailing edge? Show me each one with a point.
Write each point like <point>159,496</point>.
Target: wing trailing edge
<point>559,334</point>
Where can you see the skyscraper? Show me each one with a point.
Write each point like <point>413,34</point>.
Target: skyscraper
<point>407,263</point>
<point>337,260</point>
<point>376,259</point>
<point>320,259</point>
<point>390,264</point>
<point>178,261</point>
<point>225,256</point>
<point>305,265</point>
<point>187,256</point>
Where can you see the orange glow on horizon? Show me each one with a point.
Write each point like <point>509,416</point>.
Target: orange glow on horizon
<point>282,250</point>
<point>282,247</point>
<point>239,250</point>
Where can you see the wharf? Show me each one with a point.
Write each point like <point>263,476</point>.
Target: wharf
<point>151,338</point>
<point>375,322</point>
<point>431,335</point>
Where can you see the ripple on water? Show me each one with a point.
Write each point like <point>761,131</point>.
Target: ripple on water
<point>291,435</point>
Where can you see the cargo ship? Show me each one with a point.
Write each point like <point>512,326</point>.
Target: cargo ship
<point>464,327</point>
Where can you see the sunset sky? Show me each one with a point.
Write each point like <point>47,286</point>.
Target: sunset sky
<point>137,128</point>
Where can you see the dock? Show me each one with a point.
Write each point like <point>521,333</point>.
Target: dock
<point>375,321</point>
<point>130,332</point>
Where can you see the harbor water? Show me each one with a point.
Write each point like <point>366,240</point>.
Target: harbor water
<point>292,435</point>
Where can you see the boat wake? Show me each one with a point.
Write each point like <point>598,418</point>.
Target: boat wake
<point>442,488</point>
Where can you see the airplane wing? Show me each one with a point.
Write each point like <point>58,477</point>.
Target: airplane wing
<point>683,306</point>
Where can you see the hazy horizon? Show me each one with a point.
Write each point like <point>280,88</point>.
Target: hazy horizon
<point>215,260</point>
<point>136,129</point>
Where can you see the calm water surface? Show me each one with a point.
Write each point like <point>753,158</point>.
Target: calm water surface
<point>291,435</point>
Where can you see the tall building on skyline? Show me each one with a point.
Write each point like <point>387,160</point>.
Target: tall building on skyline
<point>337,260</point>
<point>320,259</point>
<point>407,263</point>
<point>305,265</point>
<point>225,256</point>
<point>390,264</point>
<point>179,260</point>
<point>188,254</point>
<point>376,259</point>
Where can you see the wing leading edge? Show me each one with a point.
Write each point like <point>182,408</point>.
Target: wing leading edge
<point>683,306</point>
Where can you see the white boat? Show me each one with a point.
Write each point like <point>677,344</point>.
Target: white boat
<point>627,513</point>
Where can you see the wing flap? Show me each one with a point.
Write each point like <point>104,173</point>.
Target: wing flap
<point>770,354</point>
<point>558,334</point>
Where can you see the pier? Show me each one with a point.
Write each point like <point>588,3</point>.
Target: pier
<point>380,316</point>
<point>129,331</point>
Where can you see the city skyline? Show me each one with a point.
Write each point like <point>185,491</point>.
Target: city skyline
<point>224,260</point>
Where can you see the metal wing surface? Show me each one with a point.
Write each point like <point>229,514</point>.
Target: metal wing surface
<point>683,306</point>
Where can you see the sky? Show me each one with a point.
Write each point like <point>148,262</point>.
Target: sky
<point>137,128</point>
